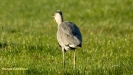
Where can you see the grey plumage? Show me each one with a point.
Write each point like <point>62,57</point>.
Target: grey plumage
<point>68,35</point>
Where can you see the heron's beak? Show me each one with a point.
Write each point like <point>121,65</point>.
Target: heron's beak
<point>53,18</point>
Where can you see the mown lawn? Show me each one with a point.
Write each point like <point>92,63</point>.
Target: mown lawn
<point>28,37</point>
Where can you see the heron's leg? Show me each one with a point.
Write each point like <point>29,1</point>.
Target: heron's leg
<point>63,57</point>
<point>74,60</point>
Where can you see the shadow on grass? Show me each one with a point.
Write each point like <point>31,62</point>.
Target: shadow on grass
<point>3,45</point>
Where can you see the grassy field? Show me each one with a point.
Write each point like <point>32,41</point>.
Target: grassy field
<point>28,37</point>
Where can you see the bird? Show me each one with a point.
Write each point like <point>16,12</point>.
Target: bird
<point>68,35</point>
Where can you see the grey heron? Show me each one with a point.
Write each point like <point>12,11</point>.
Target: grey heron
<point>68,35</point>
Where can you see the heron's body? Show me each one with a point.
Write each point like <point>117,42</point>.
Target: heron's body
<point>68,35</point>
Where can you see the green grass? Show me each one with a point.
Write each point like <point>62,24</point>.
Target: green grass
<point>28,37</point>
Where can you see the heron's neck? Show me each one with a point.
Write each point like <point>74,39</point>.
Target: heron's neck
<point>60,20</point>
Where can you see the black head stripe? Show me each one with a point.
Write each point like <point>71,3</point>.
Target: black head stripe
<point>58,11</point>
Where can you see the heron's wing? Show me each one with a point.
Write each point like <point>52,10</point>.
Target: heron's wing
<point>70,34</point>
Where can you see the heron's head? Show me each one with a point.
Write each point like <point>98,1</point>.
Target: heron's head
<point>58,17</point>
